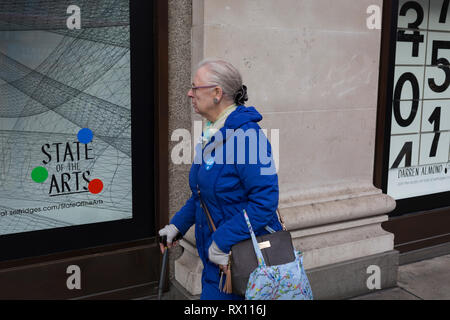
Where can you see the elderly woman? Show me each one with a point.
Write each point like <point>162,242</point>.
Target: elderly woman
<point>226,181</point>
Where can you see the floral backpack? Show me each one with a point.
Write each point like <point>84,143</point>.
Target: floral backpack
<point>281,282</point>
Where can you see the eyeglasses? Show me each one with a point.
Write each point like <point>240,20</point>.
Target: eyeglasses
<point>193,88</point>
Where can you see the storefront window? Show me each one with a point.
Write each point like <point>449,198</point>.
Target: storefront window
<point>419,116</point>
<point>67,118</point>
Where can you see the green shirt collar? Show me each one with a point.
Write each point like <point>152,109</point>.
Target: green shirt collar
<point>210,128</point>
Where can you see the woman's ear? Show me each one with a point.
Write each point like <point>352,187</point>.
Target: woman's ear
<point>218,92</point>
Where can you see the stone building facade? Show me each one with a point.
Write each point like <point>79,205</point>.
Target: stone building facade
<point>312,71</point>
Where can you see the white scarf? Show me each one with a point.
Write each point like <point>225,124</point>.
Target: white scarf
<point>210,128</point>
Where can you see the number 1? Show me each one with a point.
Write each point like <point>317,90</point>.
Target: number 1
<point>436,118</point>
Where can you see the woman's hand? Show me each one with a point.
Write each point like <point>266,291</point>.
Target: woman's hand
<point>217,256</point>
<point>223,268</point>
<point>169,245</point>
<point>171,232</point>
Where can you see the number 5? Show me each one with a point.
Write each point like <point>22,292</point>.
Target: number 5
<point>442,63</point>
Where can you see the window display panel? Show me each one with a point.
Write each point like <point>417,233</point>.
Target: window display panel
<point>419,155</point>
<point>65,114</point>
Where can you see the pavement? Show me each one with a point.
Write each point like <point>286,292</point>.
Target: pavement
<point>423,280</point>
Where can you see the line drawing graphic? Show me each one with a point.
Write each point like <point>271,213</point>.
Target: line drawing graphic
<point>54,82</point>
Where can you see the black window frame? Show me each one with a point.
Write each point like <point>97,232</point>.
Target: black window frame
<point>387,69</point>
<point>143,221</point>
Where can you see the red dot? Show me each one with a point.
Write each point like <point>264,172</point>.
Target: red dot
<point>95,186</point>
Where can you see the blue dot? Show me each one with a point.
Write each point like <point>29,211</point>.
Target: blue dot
<point>85,135</point>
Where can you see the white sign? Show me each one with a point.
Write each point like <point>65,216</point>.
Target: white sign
<point>419,157</point>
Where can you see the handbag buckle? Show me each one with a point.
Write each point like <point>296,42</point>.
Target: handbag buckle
<point>264,245</point>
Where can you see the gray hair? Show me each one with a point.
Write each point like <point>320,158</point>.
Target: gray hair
<point>224,75</point>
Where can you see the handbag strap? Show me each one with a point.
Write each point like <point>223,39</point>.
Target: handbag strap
<point>258,252</point>
<point>211,225</point>
<point>280,218</point>
<point>205,209</point>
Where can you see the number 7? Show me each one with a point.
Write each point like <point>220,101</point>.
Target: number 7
<point>444,10</point>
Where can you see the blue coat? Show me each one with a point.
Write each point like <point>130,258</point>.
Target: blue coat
<point>228,184</point>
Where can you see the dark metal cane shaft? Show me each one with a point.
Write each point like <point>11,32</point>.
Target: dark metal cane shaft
<point>163,272</point>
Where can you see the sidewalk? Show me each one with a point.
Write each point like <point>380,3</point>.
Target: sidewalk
<point>423,280</point>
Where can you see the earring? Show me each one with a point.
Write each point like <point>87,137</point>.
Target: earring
<point>216,101</point>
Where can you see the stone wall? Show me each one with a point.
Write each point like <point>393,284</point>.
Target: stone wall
<point>311,68</point>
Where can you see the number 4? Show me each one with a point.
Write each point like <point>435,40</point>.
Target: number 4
<point>406,153</point>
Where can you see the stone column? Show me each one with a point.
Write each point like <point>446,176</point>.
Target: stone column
<point>312,71</point>
<point>180,117</point>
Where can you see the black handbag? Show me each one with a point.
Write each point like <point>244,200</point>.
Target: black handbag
<point>276,247</point>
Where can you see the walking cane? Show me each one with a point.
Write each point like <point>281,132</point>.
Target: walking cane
<point>163,240</point>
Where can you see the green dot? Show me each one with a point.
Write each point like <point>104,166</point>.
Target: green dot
<point>39,174</point>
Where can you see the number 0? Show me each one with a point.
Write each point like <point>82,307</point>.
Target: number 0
<point>407,76</point>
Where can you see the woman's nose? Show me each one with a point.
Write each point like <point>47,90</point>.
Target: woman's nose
<point>190,93</point>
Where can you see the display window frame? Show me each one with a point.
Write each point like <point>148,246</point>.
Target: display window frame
<point>148,42</point>
<point>419,222</point>
<point>386,87</point>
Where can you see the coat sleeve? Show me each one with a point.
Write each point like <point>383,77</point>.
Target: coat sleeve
<point>260,182</point>
<point>185,217</point>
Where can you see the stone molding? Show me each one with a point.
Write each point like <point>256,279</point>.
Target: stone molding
<point>326,207</point>
<point>339,226</point>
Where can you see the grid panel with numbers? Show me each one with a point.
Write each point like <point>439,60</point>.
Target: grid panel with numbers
<point>420,128</point>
